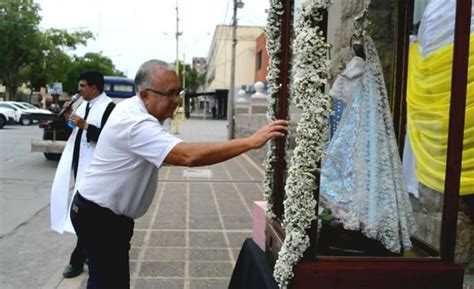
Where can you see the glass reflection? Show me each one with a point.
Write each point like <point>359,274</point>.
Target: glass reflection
<point>395,194</point>
<point>361,184</point>
<point>367,208</point>
<point>428,102</point>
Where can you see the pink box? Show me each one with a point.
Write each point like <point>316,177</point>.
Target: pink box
<point>259,222</point>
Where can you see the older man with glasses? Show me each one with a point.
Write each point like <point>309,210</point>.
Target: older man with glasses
<point>121,181</point>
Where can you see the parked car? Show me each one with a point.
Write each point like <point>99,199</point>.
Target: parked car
<point>56,132</point>
<point>36,109</point>
<point>55,135</point>
<point>21,110</point>
<point>7,115</point>
<point>18,112</point>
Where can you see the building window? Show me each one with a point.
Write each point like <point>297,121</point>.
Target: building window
<point>259,60</point>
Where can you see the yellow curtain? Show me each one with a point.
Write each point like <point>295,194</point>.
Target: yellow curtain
<point>428,99</point>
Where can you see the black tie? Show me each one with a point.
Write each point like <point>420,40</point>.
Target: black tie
<point>77,144</point>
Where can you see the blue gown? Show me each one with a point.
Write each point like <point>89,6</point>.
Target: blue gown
<point>361,176</point>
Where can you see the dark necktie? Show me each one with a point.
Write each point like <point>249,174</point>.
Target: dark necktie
<point>77,144</point>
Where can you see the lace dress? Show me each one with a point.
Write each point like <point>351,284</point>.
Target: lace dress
<point>361,176</point>
<point>343,88</point>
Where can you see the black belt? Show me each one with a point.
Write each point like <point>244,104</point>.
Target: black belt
<point>97,208</point>
<point>82,199</point>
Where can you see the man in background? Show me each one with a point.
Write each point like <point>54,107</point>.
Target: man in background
<point>88,120</point>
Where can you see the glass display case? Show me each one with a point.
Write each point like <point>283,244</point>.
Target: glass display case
<point>396,151</point>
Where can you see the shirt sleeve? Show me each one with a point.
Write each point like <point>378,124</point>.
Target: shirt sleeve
<point>151,141</point>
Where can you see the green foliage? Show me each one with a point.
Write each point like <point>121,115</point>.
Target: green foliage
<point>57,38</point>
<point>192,78</point>
<point>326,216</point>
<point>90,61</point>
<point>28,55</point>
<point>19,38</point>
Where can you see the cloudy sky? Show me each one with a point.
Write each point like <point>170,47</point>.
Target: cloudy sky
<point>131,32</point>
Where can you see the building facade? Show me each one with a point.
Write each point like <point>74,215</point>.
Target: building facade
<point>220,57</point>
<point>261,60</point>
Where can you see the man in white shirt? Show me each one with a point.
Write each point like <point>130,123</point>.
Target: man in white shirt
<point>121,181</point>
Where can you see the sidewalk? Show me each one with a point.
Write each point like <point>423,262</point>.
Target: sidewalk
<point>191,236</point>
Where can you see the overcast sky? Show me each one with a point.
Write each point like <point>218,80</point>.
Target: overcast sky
<point>131,32</point>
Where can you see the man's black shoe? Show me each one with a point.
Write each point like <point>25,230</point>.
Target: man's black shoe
<point>70,271</point>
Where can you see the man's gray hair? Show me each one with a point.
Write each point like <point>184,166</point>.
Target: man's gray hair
<point>146,73</point>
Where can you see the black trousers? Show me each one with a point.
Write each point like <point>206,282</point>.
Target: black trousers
<point>105,239</point>
<point>78,256</point>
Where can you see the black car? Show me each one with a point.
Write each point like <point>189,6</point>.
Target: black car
<point>56,132</point>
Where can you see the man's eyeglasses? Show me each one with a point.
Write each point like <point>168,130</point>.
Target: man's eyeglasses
<point>171,95</point>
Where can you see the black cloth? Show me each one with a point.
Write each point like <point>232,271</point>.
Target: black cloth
<point>78,256</point>
<point>93,132</point>
<point>105,238</point>
<point>252,270</point>
<point>77,144</point>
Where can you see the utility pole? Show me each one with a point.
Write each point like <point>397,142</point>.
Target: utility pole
<point>183,96</point>
<point>230,99</point>
<point>178,34</point>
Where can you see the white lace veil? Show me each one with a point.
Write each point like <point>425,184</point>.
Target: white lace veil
<point>361,176</point>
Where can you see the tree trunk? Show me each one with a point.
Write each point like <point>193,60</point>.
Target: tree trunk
<point>10,92</point>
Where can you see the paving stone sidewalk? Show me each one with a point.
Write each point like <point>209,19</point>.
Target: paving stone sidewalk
<point>191,236</point>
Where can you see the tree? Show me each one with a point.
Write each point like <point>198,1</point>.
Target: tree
<point>29,55</point>
<point>90,61</point>
<point>192,78</point>
<point>19,38</point>
<point>53,62</point>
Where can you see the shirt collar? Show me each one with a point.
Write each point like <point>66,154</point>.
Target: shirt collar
<point>95,99</point>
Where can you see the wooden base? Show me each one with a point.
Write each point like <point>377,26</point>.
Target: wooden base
<point>274,237</point>
<point>366,272</point>
<point>370,274</point>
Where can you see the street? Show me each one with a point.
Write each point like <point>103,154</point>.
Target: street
<point>31,255</point>
<point>26,177</point>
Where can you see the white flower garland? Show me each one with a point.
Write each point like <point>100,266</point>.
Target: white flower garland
<point>273,35</point>
<point>311,71</point>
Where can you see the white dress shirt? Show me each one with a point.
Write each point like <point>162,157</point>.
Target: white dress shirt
<point>123,174</point>
<point>64,184</point>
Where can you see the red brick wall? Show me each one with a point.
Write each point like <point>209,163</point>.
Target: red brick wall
<point>261,74</point>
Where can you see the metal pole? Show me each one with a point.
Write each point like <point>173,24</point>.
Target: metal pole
<point>176,117</point>
<point>230,99</point>
<point>177,39</point>
<point>184,87</point>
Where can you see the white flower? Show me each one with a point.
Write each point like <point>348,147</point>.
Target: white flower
<point>272,31</point>
<point>311,70</point>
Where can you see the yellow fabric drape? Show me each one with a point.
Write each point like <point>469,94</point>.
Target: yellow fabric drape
<point>428,101</point>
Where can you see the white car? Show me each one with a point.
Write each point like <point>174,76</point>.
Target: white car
<point>7,116</point>
<point>21,111</point>
<point>18,112</point>
<point>36,109</point>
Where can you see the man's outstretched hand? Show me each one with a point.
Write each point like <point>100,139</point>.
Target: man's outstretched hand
<point>275,129</point>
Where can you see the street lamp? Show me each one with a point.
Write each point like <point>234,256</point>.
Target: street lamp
<point>230,100</point>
